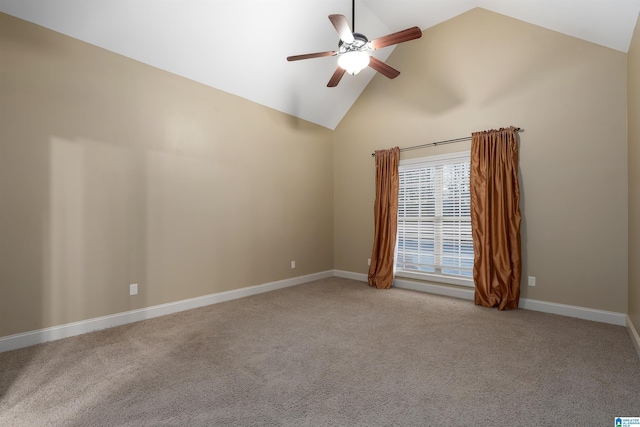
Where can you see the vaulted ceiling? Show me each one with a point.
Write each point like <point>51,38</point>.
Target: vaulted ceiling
<point>240,46</point>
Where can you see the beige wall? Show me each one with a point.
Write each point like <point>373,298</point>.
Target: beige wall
<point>633,103</point>
<point>482,70</point>
<point>113,172</point>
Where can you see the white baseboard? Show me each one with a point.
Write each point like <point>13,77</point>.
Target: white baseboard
<point>411,285</point>
<point>593,314</point>
<point>434,289</point>
<point>26,339</point>
<point>633,333</point>
<point>351,275</point>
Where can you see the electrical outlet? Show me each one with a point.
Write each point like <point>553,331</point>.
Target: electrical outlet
<point>369,261</point>
<point>293,264</point>
<point>133,289</point>
<point>532,281</point>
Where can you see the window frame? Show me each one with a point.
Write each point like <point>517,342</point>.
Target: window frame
<point>429,276</point>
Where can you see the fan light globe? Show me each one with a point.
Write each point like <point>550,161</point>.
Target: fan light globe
<point>353,62</point>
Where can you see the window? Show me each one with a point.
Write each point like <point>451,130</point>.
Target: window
<point>434,220</point>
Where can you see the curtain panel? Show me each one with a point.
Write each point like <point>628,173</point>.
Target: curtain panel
<point>495,218</point>
<point>385,214</point>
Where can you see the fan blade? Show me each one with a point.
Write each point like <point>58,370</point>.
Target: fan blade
<point>395,38</point>
<point>342,27</point>
<point>383,68</point>
<point>311,55</point>
<point>335,79</point>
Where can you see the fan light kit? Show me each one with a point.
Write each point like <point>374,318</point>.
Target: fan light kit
<point>353,62</point>
<point>353,49</point>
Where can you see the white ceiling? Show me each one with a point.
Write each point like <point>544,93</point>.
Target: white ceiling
<point>240,46</point>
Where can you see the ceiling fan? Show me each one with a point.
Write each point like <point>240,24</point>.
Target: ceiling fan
<point>353,49</point>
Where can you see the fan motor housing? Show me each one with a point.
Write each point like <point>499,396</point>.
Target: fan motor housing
<point>360,40</point>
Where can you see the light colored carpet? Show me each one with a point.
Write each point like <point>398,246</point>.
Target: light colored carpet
<point>329,353</point>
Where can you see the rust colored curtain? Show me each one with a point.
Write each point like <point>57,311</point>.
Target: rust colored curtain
<point>385,215</point>
<point>495,218</point>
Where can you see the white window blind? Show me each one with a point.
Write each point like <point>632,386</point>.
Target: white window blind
<point>434,222</point>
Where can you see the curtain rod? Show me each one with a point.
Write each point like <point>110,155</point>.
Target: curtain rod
<point>448,141</point>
